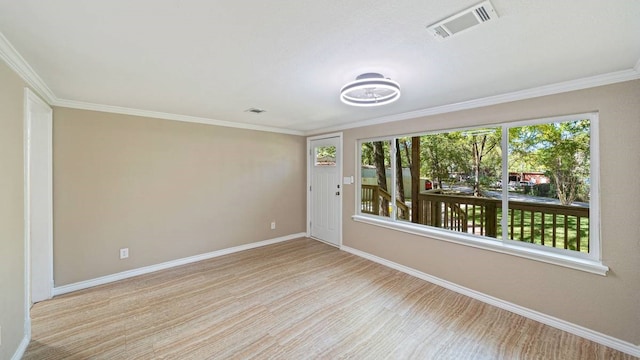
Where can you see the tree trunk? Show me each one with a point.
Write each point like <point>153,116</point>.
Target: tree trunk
<point>399,179</point>
<point>478,150</point>
<point>378,160</point>
<point>566,184</point>
<point>415,178</point>
<point>399,176</point>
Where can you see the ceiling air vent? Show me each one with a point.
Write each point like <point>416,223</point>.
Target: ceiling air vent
<point>470,17</point>
<point>255,110</point>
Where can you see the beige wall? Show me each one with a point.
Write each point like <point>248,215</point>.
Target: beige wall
<point>11,212</point>
<point>166,190</point>
<point>610,304</point>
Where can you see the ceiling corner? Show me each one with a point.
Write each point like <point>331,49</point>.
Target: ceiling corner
<point>17,63</point>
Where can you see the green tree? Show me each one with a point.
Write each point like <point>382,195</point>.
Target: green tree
<point>482,143</point>
<point>441,154</point>
<point>367,153</point>
<point>561,148</point>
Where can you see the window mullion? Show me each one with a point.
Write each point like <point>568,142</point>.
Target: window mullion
<point>505,183</point>
<point>392,186</point>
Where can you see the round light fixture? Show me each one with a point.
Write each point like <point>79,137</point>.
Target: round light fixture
<point>370,89</point>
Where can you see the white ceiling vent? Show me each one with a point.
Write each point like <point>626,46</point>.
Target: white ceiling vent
<point>468,18</point>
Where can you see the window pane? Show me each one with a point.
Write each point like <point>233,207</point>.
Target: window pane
<point>457,173</point>
<point>375,178</point>
<point>549,177</point>
<point>325,156</point>
<point>461,169</point>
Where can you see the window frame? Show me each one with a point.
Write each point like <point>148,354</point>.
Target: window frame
<point>589,262</point>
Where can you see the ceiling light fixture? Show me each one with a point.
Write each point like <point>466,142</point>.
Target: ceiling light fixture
<point>370,89</point>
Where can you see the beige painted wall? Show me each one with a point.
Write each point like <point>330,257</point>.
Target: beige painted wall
<point>166,190</point>
<point>611,304</point>
<point>11,211</point>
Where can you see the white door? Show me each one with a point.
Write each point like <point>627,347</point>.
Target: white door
<point>325,189</point>
<point>38,203</point>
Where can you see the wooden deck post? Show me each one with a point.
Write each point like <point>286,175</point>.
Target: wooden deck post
<point>415,179</point>
<point>491,219</point>
<point>375,200</point>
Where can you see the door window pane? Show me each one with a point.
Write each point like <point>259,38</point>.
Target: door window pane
<point>325,156</point>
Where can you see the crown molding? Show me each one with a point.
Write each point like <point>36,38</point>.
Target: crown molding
<point>169,116</point>
<point>566,86</point>
<point>17,63</point>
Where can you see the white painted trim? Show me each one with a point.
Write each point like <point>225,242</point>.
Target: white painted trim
<point>168,116</point>
<point>169,264</point>
<point>514,248</point>
<point>27,225</point>
<point>591,262</point>
<point>339,135</point>
<point>31,99</point>
<point>563,325</point>
<point>17,63</point>
<point>23,346</point>
<point>566,86</point>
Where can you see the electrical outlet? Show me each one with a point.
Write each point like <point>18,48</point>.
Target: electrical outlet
<point>273,225</point>
<point>124,253</point>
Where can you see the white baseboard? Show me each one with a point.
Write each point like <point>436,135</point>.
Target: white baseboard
<point>166,265</point>
<point>578,330</point>
<point>24,343</point>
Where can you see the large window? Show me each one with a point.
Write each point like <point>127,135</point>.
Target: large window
<point>526,185</point>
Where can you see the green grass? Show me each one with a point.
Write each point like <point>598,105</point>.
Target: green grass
<point>527,234</point>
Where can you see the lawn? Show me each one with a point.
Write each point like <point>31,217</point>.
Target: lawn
<point>523,231</point>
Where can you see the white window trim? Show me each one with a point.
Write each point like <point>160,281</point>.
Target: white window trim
<point>503,247</point>
<point>591,262</point>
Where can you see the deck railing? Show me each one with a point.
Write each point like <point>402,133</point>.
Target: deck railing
<point>460,213</point>
<point>535,222</point>
<point>372,199</point>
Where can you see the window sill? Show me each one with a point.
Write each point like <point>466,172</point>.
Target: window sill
<point>531,253</point>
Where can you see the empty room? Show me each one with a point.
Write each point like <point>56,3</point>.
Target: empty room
<point>185,179</point>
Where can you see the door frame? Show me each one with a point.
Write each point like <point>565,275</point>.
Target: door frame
<point>340,174</point>
<point>33,100</point>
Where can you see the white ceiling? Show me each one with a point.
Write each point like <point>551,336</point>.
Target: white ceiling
<point>215,59</point>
